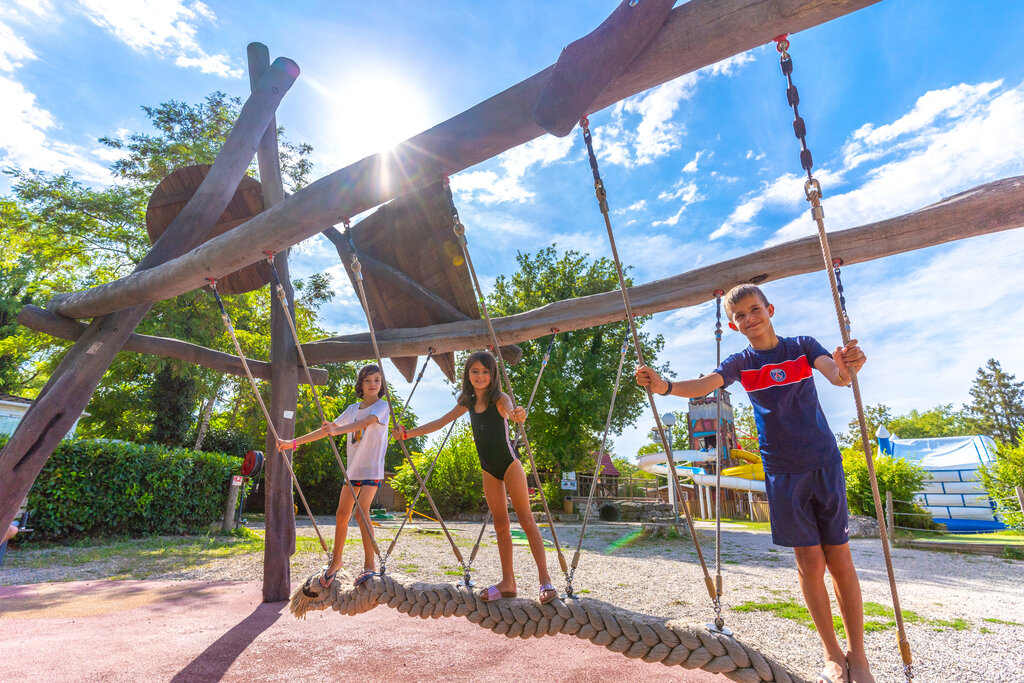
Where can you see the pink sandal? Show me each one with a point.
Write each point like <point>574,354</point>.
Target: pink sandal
<point>547,593</point>
<point>492,593</point>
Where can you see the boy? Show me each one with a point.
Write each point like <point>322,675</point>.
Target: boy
<point>804,480</point>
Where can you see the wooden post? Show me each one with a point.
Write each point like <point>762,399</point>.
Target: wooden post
<point>1020,497</point>
<point>284,382</point>
<point>890,517</point>
<point>72,384</point>
<point>228,523</point>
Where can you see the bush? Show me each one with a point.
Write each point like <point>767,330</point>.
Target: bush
<point>99,486</point>
<point>455,484</point>
<point>553,493</point>
<point>1001,478</point>
<point>903,478</point>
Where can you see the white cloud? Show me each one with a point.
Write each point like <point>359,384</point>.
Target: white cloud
<point>756,156</point>
<point>784,191</point>
<point>623,143</point>
<point>686,193</point>
<point>691,167</point>
<point>488,187</point>
<point>165,27</point>
<point>729,66</point>
<point>638,205</point>
<point>13,50</point>
<point>980,142</point>
<point>26,142</point>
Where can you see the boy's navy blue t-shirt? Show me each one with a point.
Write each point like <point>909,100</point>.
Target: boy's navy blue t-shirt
<point>794,435</point>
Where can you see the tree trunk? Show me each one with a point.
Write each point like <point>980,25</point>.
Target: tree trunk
<point>204,421</point>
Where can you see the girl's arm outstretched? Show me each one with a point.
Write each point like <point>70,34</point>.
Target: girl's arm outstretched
<point>402,433</point>
<point>332,428</point>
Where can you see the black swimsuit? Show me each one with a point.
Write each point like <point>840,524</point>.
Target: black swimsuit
<point>490,433</point>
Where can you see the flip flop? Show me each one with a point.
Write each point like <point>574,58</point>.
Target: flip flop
<point>326,579</point>
<point>547,590</point>
<point>365,576</point>
<point>492,593</point>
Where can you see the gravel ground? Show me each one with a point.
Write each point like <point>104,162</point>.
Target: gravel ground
<point>959,600</point>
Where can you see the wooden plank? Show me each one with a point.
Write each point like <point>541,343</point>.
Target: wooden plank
<point>989,208</point>
<point>588,65</point>
<point>72,384</point>
<point>43,321</point>
<point>696,34</point>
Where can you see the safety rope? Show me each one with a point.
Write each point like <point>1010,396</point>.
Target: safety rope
<point>357,271</point>
<point>543,366</point>
<point>460,233</point>
<point>266,413</point>
<point>325,424</point>
<point>597,468</point>
<point>602,201</point>
<point>719,619</point>
<point>812,190</point>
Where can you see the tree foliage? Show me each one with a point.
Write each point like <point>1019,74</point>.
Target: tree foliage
<point>997,405</point>
<point>902,478</point>
<point>1002,477</point>
<point>569,412</point>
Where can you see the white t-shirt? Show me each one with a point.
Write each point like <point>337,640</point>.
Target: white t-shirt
<point>366,447</point>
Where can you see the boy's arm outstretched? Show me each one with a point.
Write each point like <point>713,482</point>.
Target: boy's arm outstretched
<point>840,366</point>
<point>688,388</point>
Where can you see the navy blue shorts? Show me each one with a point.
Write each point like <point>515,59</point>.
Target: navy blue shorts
<point>809,508</point>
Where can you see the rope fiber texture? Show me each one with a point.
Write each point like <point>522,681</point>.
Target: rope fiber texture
<point>636,636</point>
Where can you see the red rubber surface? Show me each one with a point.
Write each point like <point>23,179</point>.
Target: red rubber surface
<point>198,631</point>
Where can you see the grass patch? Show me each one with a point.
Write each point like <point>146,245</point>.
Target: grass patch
<point>140,558</point>
<point>993,620</point>
<point>877,617</point>
<point>408,567</point>
<point>747,524</point>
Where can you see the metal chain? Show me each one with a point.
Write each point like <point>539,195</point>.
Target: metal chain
<point>597,467</point>
<point>719,619</point>
<point>266,413</point>
<point>460,233</point>
<point>602,201</point>
<point>812,190</point>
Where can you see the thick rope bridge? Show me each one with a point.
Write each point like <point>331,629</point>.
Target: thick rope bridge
<point>635,635</point>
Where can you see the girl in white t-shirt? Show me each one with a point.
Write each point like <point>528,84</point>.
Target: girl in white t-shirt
<point>366,424</point>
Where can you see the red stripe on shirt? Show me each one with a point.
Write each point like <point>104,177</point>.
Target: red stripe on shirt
<point>786,372</point>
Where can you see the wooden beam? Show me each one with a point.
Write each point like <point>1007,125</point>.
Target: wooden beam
<point>986,209</point>
<point>588,65</point>
<point>43,321</point>
<point>72,384</point>
<point>696,34</point>
<point>279,504</point>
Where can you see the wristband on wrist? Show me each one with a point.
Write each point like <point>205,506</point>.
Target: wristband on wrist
<point>668,389</point>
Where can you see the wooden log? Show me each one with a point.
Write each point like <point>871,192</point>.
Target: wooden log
<point>588,65</point>
<point>989,208</point>
<point>696,34</point>
<point>43,321</point>
<point>72,384</point>
<point>279,504</point>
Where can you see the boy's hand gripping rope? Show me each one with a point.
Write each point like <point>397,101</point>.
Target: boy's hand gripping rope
<point>460,233</point>
<point>812,189</point>
<point>357,271</point>
<point>266,413</point>
<point>282,297</point>
<point>602,201</point>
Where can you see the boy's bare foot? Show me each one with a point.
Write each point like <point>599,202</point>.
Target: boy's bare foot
<point>833,672</point>
<point>860,670</point>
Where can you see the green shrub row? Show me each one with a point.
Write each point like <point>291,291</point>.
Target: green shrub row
<point>455,484</point>
<point>100,487</point>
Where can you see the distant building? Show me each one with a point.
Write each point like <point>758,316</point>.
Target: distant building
<point>13,408</point>
<point>703,412</point>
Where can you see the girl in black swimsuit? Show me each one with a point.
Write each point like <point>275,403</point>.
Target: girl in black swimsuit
<point>489,411</point>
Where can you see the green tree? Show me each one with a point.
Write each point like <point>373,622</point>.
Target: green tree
<point>680,438</point>
<point>997,406</point>
<point>874,416</point>
<point>1002,477</point>
<point>71,236</point>
<point>940,421</point>
<point>746,428</point>
<point>902,478</point>
<point>569,412</point>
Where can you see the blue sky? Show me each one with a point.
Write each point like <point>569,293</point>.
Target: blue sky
<point>905,103</point>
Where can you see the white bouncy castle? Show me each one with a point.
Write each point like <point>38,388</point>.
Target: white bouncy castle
<point>955,496</point>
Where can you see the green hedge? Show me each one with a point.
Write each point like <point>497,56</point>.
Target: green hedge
<point>455,485</point>
<point>97,487</point>
<point>903,478</point>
